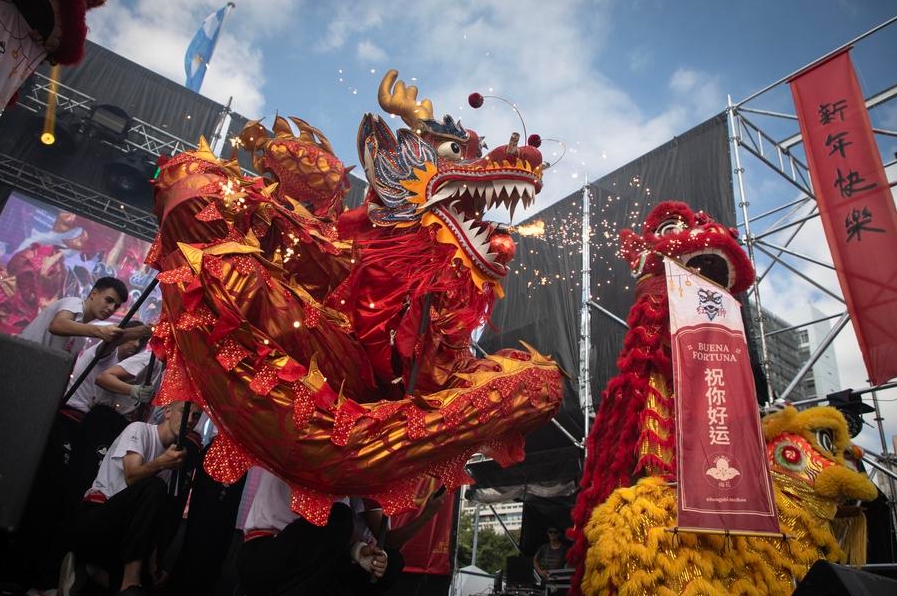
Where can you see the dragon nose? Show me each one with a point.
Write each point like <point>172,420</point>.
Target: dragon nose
<point>511,152</point>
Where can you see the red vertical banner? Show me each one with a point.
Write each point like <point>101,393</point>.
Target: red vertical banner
<point>722,473</point>
<point>429,550</point>
<point>855,203</point>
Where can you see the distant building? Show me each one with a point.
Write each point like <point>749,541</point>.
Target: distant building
<point>783,346</point>
<point>510,513</point>
<point>789,349</point>
<point>823,379</point>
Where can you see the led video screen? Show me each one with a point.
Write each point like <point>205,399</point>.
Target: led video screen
<point>47,253</point>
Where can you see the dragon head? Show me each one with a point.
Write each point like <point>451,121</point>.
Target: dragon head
<point>806,453</point>
<point>672,229</point>
<point>434,174</point>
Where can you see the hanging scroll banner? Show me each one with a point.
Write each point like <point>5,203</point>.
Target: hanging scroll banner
<point>723,478</point>
<point>855,204</point>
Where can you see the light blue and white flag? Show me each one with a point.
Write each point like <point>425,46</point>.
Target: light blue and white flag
<point>199,52</point>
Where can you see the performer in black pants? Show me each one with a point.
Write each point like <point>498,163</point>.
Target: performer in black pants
<point>124,511</point>
<point>208,534</point>
<point>284,554</point>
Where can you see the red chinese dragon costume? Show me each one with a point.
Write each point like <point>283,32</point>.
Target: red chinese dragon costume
<point>633,434</point>
<point>331,346</point>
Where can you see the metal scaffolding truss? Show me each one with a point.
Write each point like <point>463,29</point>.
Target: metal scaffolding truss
<point>77,198</point>
<point>140,135</point>
<point>770,235</point>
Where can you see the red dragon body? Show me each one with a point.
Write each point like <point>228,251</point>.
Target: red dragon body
<point>333,347</point>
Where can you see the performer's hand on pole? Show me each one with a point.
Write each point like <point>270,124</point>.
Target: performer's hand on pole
<point>185,419</point>
<point>378,565</point>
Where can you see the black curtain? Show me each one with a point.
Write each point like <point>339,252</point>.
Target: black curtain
<point>113,79</point>
<point>543,295</point>
<point>101,162</point>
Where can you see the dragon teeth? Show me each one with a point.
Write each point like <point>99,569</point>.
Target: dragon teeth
<point>447,191</point>
<point>489,193</point>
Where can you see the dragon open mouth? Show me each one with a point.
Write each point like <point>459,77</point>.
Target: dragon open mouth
<point>460,204</point>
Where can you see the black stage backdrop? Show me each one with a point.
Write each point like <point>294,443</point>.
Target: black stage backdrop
<point>82,153</point>
<point>84,156</point>
<point>543,291</point>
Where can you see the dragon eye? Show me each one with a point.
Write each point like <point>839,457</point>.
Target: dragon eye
<point>449,150</point>
<point>825,439</point>
<point>670,226</point>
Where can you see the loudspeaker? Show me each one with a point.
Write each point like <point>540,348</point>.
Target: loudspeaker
<point>826,579</point>
<point>33,379</point>
<point>520,570</point>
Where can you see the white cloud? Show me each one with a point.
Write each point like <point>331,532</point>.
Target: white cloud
<point>348,21</point>
<point>640,59</point>
<point>158,40</point>
<point>700,90</point>
<point>540,56</point>
<point>367,51</point>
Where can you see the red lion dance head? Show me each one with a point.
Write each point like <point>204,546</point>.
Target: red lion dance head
<point>633,434</point>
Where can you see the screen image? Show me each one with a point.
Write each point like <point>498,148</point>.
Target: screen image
<point>47,253</point>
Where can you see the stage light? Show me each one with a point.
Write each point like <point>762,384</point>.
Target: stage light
<point>128,176</point>
<point>48,137</point>
<point>111,120</point>
<point>63,139</point>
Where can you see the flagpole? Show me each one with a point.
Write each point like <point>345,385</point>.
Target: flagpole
<point>219,127</point>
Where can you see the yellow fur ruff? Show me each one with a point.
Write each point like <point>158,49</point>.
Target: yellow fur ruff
<point>631,553</point>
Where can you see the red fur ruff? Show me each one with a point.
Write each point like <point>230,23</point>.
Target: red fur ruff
<point>611,458</point>
<point>73,23</point>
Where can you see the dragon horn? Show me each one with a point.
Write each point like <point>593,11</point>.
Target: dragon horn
<point>396,98</point>
<point>309,133</point>
<point>282,127</point>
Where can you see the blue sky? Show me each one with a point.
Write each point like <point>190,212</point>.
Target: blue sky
<point>611,79</point>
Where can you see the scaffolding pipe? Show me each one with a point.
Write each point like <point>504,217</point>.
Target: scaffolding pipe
<point>795,203</point>
<point>802,325</point>
<point>505,528</point>
<point>782,249</point>
<point>743,203</point>
<point>817,353</point>
<point>609,314</point>
<point>585,330</point>
<point>806,278</point>
<point>815,62</point>
<point>886,456</point>
<point>476,535</point>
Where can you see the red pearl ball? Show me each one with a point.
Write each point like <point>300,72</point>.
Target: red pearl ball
<point>502,245</point>
<point>475,100</point>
